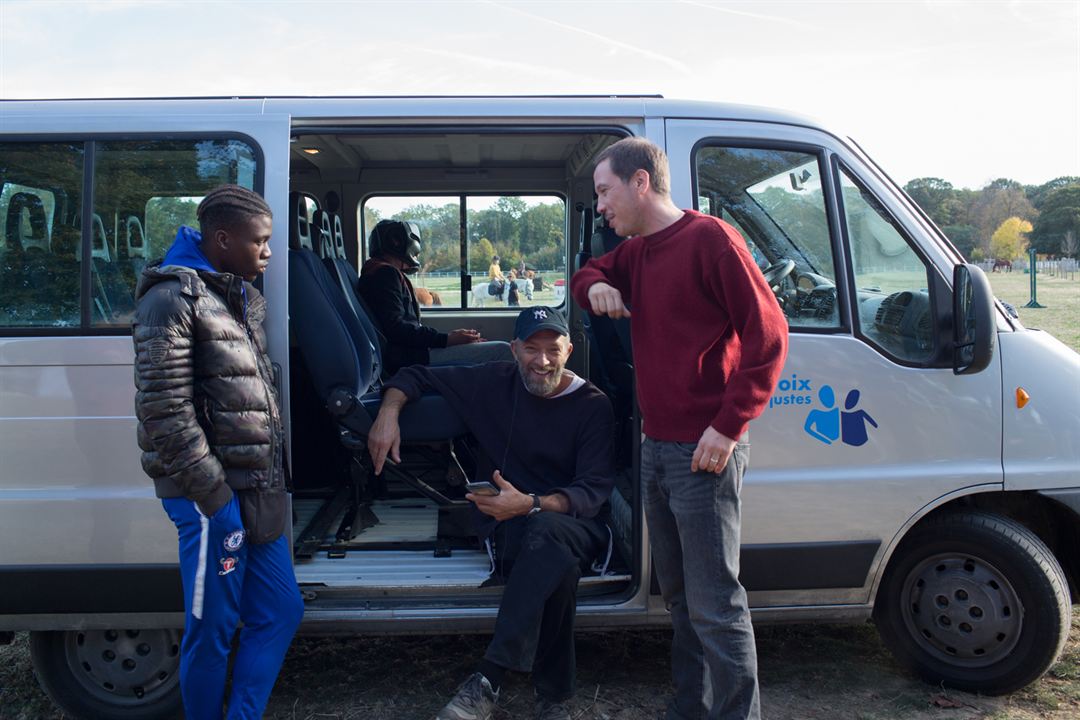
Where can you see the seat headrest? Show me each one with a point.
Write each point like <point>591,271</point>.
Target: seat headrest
<point>338,236</point>
<point>603,239</point>
<point>29,206</point>
<point>299,228</point>
<point>135,240</point>
<point>321,236</point>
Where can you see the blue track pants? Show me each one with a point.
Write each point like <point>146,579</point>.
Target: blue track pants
<point>226,580</point>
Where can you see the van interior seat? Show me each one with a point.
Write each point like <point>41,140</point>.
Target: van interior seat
<point>332,252</point>
<point>341,356</point>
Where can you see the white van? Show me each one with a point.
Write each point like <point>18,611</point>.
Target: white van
<point>918,464</point>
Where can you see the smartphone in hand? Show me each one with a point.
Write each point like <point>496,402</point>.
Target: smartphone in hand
<point>482,488</point>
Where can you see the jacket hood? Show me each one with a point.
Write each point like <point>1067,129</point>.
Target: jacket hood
<point>184,261</point>
<point>185,251</point>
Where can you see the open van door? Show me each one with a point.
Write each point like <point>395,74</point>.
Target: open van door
<point>868,427</point>
<point>88,559</point>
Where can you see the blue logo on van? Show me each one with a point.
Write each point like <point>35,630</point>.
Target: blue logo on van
<point>831,424</point>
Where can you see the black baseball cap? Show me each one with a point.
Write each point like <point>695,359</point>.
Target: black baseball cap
<point>532,320</point>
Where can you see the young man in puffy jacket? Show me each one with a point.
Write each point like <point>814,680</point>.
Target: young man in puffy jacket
<point>211,434</point>
<point>384,284</point>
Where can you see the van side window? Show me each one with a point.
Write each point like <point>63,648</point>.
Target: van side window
<point>40,214</point>
<point>526,233</point>
<point>891,284</point>
<point>144,190</point>
<point>775,200</point>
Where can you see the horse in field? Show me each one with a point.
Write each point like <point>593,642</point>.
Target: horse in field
<point>481,292</point>
<point>427,298</point>
<point>1004,265</point>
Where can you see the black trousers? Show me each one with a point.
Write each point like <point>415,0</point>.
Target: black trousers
<point>542,557</point>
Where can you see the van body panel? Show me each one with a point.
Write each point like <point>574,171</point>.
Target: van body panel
<point>1042,439</point>
<point>67,426</point>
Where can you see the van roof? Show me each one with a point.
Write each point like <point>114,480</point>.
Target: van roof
<point>398,108</point>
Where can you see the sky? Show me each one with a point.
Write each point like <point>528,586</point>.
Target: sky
<point>964,91</point>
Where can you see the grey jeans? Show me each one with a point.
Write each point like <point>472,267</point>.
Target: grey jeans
<point>694,532</point>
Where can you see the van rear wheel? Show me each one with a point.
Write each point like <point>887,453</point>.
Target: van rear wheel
<point>975,601</point>
<point>122,674</point>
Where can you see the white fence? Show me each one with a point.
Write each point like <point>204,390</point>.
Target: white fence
<point>1068,268</point>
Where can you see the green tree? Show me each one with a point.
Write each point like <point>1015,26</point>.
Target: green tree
<point>1060,215</point>
<point>164,216</point>
<point>1037,194</point>
<point>994,204</point>
<point>1010,239</point>
<point>480,254</point>
<point>963,237</point>
<point>938,198</point>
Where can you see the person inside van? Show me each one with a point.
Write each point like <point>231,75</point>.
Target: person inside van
<point>552,470</point>
<point>211,434</point>
<point>708,348</point>
<point>394,247</point>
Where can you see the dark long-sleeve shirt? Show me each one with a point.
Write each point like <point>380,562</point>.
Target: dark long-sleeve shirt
<point>392,299</point>
<point>540,445</point>
<point>709,338</point>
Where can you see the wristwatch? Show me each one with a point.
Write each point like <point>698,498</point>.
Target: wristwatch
<point>536,504</point>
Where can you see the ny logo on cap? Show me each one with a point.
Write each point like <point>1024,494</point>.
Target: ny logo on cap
<point>540,314</point>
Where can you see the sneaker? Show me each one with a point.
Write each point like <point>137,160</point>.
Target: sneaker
<point>475,700</point>
<point>548,710</point>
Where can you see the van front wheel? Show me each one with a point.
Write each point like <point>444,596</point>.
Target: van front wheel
<point>122,674</point>
<point>975,601</point>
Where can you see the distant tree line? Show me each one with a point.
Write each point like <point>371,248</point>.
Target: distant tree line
<point>1004,218</point>
<point>510,228</point>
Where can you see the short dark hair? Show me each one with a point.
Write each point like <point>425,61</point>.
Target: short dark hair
<point>634,153</point>
<point>226,206</point>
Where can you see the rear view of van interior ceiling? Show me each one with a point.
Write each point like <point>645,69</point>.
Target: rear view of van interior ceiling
<point>408,532</point>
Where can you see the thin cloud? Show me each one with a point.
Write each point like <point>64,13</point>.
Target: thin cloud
<point>757,16</point>
<point>669,61</point>
<point>546,71</point>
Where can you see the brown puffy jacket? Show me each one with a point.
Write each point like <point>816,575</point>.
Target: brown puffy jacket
<point>209,422</point>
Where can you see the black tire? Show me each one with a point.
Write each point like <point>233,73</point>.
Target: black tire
<point>975,601</point>
<point>110,674</point>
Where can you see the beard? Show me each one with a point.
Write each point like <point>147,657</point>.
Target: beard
<point>541,386</point>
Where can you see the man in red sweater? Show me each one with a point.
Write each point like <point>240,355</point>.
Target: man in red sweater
<point>709,343</point>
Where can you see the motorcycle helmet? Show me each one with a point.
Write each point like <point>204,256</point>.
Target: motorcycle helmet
<point>397,239</point>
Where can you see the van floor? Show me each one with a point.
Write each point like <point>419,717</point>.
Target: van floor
<point>412,571</point>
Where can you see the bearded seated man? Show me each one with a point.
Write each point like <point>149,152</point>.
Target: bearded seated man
<point>552,463</point>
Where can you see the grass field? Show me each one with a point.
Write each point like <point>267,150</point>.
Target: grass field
<point>1060,317</point>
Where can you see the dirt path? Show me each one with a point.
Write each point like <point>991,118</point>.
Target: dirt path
<point>807,672</point>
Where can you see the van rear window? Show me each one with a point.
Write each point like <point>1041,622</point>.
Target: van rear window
<point>514,247</point>
<point>144,190</point>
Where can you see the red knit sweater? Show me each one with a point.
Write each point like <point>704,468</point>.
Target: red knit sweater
<point>709,338</point>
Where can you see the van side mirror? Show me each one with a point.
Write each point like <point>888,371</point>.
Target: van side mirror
<point>974,329</point>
